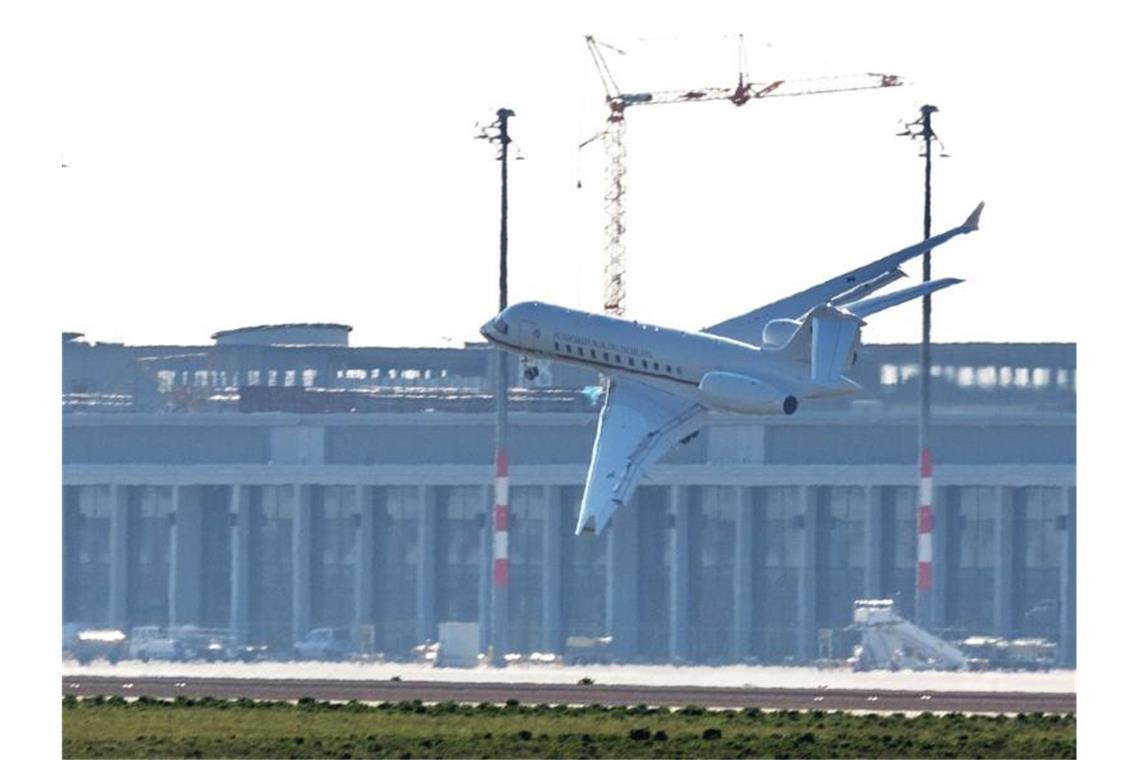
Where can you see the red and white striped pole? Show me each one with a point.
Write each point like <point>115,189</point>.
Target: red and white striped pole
<point>925,554</point>
<point>502,489</point>
<point>499,612</point>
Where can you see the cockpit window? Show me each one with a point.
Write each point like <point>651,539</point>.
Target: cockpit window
<point>500,326</point>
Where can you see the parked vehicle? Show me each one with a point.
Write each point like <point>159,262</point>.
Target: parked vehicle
<point>153,643</point>
<point>89,644</point>
<point>211,645</point>
<point>324,644</point>
<point>247,652</point>
<point>588,650</point>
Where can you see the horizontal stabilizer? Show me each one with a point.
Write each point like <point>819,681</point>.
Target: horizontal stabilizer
<point>868,306</point>
<point>839,290</point>
<point>867,288</point>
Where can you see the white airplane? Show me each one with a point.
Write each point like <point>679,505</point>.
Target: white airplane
<point>663,382</point>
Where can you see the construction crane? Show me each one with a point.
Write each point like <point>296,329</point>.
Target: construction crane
<point>613,138</point>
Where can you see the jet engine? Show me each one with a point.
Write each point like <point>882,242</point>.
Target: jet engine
<point>741,393</point>
<point>779,331</point>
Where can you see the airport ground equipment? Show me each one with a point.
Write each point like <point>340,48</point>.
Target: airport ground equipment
<point>613,138</point>
<point>324,644</point>
<point>1000,653</point>
<point>458,645</point>
<point>891,641</point>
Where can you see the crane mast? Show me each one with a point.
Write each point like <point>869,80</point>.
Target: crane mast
<point>613,139</point>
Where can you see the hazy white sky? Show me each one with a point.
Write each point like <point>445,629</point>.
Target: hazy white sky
<point>243,163</point>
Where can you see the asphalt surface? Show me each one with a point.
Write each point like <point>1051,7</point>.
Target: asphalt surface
<point>575,694</point>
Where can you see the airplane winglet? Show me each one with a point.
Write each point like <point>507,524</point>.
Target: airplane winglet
<point>974,217</point>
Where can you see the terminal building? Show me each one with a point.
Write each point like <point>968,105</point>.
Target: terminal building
<point>279,480</point>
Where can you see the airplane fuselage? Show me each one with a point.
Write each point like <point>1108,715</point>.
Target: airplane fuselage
<point>673,360</point>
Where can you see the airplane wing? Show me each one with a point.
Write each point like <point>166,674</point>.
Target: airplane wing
<point>848,286</point>
<point>638,424</point>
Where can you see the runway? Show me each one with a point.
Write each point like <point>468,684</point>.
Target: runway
<point>878,700</point>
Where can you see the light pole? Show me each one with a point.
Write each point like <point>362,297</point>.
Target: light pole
<point>500,515</point>
<point>924,582</point>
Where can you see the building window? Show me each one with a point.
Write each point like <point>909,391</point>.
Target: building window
<point>86,553</point>
<point>396,559</point>
<point>556,348</point>
<point>606,355</point>
<point>583,572</point>
<point>593,355</point>
<point>987,377</point>
<point>712,559</point>
<point>271,564</point>
<point>528,508</point>
<point>776,560</point>
<point>656,368</point>
<point>334,546</point>
<point>644,364</point>
<point>459,551</point>
<point>970,600</point>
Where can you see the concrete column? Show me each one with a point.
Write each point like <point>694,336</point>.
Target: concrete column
<point>1003,560</point>
<point>679,575</point>
<point>873,559</point>
<point>241,518</point>
<point>1067,646</point>
<point>120,517</point>
<point>186,557</point>
<point>302,560</point>
<point>806,645</point>
<point>425,573</point>
<point>552,570</point>
<point>742,574</point>
<point>365,556</point>
<point>945,512</point>
<point>621,580</point>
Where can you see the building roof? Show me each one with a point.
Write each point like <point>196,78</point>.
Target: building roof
<point>285,326</point>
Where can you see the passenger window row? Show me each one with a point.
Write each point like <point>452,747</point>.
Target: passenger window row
<point>617,359</point>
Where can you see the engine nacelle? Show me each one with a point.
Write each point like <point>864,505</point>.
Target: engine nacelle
<point>741,393</point>
<point>779,331</point>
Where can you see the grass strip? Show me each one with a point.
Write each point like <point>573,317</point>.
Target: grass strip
<point>114,727</point>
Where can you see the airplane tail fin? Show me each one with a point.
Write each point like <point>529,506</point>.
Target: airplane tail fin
<point>828,334</point>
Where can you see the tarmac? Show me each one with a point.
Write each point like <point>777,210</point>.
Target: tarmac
<point>718,687</point>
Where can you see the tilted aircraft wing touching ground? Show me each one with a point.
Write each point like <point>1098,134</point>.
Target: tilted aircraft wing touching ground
<point>854,284</point>
<point>638,424</point>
